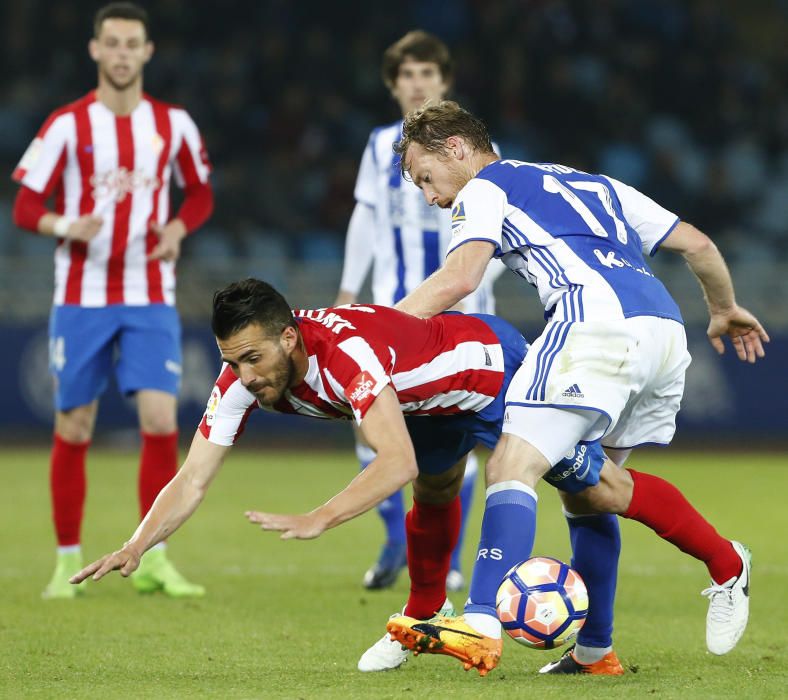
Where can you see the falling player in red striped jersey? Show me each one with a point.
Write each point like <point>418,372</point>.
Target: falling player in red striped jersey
<point>107,160</point>
<point>424,392</point>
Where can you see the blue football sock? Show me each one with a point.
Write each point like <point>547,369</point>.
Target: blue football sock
<point>392,510</point>
<point>596,545</point>
<point>508,530</point>
<point>466,500</point>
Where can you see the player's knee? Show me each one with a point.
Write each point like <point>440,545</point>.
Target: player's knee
<point>507,466</point>
<point>161,421</point>
<point>157,412</point>
<point>429,489</point>
<point>76,425</point>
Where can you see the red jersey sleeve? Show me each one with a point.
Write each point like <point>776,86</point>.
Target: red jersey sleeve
<point>29,207</point>
<point>228,409</point>
<point>362,370</point>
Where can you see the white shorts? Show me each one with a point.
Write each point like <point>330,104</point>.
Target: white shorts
<point>622,381</point>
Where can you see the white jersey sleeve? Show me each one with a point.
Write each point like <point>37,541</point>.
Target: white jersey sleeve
<point>228,409</point>
<point>478,214</point>
<point>358,250</point>
<point>191,163</point>
<point>652,222</point>
<point>43,158</point>
<point>366,189</point>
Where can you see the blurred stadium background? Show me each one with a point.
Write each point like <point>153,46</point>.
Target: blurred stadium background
<point>688,101</point>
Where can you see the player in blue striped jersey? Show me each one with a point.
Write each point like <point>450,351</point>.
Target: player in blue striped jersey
<point>609,365</point>
<point>396,232</point>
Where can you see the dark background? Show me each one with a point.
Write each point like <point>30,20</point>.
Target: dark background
<point>687,101</point>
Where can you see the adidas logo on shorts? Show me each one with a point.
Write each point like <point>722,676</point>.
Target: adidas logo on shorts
<point>573,392</point>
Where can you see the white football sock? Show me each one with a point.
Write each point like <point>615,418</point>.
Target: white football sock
<point>590,655</point>
<point>487,625</point>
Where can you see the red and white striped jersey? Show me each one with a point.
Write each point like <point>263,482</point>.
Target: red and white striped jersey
<point>449,364</point>
<point>118,168</point>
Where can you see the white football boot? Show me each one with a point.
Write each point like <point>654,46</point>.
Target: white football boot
<point>729,607</point>
<point>387,654</point>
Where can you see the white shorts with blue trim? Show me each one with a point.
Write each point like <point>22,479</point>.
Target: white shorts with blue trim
<point>622,381</point>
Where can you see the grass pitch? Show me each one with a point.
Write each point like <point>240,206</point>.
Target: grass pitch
<point>290,619</point>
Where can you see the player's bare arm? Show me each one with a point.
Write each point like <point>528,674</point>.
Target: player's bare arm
<point>460,275</point>
<point>173,506</point>
<point>726,316</point>
<point>393,467</point>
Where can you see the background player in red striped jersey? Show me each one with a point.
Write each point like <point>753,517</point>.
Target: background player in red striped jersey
<point>107,159</point>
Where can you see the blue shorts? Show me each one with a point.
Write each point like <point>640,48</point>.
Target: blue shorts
<point>140,344</point>
<point>442,441</point>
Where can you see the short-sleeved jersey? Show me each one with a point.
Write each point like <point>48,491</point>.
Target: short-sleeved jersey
<point>118,168</point>
<point>410,237</point>
<point>578,238</point>
<point>447,365</point>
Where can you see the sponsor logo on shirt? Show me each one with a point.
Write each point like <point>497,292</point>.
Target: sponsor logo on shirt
<point>361,388</point>
<point>116,184</point>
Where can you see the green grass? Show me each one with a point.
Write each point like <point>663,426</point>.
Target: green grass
<point>290,619</point>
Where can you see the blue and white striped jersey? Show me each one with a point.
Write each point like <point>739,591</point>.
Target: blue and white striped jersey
<point>410,237</point>
<point>578,238</point>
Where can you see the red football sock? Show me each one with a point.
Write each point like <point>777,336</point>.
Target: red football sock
<point>661,506</point>
<point>68,487</point>
<point>432,532</point>
<point>158,464</point>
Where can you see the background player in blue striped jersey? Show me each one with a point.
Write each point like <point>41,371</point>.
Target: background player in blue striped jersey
<point>609,365</point>
<point>396,231</point>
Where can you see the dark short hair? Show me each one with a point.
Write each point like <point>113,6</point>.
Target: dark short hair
<point>420,46</point>
<point>121,10</point>
<point>430,126</point>
<point>249,301</point>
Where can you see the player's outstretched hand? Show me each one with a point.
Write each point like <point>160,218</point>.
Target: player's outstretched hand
<point>85,228</point>
<point>745,331</point>
<point>126,560</point>
<point>300,527</point>
<point>169,246</point>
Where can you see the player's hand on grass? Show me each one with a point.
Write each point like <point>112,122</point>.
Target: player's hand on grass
<point>300,527</point>
<point>745,331</point>
<point>126,560</point>
<point>170,236</point>
<point>84,228</point>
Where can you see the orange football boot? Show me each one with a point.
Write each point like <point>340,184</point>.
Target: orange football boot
<point>451,636</point>
<point>608,665</point>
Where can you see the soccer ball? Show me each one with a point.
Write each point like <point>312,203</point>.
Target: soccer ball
<point>542,603</point>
